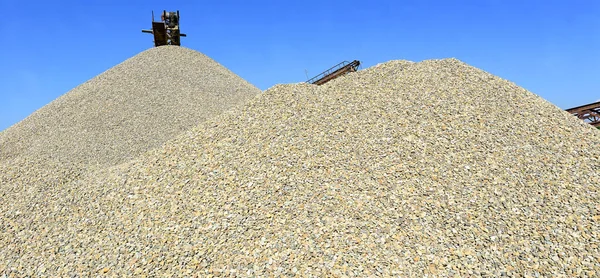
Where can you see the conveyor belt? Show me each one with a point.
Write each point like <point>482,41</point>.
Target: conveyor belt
<point>335,72</point>
<point>590,113</point>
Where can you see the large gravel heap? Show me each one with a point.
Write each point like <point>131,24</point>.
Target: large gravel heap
<point>402,169</point>
<point>130,108</point>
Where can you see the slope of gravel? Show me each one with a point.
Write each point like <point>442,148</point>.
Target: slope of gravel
<point>402,169</point>
<point>133,107</point>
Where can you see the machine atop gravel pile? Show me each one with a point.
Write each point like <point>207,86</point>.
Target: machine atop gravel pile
<point>166,31</point>
<point>335,72</point>
<point>590,113</point>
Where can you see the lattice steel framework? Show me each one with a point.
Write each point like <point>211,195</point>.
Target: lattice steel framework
<point>590,113</point>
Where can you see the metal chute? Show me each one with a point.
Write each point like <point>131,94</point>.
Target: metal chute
<point>166,31</point>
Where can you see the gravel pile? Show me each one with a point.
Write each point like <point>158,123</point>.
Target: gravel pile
<point>130,108</point>
<point>403,169</point>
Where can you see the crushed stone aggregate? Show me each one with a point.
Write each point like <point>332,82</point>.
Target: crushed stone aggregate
<point>130,108</point>
<point>433,168</point>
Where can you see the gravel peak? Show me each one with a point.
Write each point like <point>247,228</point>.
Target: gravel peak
<point>128,109</point>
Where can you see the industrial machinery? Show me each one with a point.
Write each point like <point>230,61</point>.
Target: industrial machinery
<point>166,31</point>
<point>590,113</point>
<point>335,72</point>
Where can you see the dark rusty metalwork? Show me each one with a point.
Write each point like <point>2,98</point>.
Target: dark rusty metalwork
<point>335,72</point>
<point>166,31</point>
<point>590,113</point>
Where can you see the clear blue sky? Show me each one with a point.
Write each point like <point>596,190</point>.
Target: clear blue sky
<point>551,48</point>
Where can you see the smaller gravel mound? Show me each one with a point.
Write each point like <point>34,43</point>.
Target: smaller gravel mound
<point>130,108</point>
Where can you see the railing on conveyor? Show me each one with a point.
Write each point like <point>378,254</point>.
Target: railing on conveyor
<point>590,113</point>
<point>335,72</point>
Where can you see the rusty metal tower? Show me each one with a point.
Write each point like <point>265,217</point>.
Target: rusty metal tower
<point>166,31</point>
